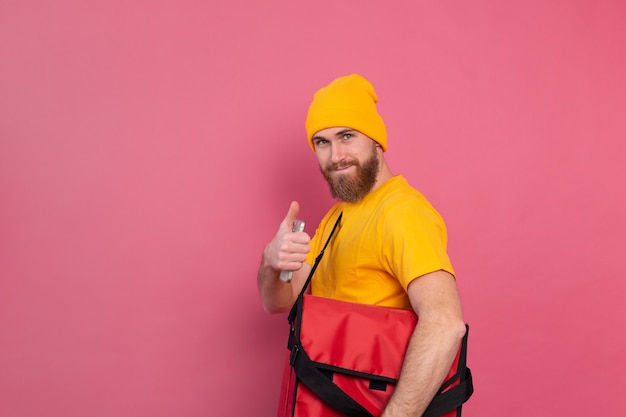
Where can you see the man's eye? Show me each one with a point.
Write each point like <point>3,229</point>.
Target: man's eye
<point>347,135</point>
<point>321,142</point>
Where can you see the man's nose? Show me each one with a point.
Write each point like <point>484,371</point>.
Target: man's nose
<point>336,153</point>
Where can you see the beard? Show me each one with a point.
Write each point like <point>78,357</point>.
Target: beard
<point>352,188</point>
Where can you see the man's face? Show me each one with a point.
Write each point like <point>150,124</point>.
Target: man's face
<point>349,162</point>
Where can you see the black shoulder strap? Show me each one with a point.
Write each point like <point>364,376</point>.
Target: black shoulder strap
<point>292,313</point>
<point>321,254</point>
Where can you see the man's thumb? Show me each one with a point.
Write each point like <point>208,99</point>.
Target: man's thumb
<point>292,214</point>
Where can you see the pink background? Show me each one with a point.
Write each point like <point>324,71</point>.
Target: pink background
<point>148,151</point>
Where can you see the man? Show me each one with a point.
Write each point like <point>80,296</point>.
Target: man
<point>390,249</point>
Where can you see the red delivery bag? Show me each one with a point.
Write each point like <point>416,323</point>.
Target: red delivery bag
<point>344,359</point>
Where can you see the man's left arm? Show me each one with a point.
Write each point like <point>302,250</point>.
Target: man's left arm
<point>433,345</point>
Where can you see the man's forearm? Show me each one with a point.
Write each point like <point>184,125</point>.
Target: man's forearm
<point>276,295</point>
<point>428,359</point>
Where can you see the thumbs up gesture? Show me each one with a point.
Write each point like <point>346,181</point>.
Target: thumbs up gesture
<point>288,250</point>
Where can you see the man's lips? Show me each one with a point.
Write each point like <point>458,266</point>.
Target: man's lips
<point>343,171</point>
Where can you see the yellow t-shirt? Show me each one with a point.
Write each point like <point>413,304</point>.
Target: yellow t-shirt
<point>390,237</point>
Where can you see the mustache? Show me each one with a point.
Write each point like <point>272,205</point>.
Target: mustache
<point>333,166</point>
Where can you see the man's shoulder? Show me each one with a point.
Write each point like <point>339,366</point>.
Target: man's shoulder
<point>399,191</point>
<point>402,203</point>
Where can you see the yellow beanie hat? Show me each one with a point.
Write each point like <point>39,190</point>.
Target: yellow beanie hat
<point>348,101</point>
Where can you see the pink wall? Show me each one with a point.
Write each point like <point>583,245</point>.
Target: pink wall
<point>148,151</point>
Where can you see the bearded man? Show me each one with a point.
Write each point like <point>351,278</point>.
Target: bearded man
<point>391,244</point>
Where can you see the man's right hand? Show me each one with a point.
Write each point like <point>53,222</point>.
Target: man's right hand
<point>288,250</point>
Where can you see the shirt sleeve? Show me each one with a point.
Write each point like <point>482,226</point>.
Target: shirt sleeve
<point>415,238</point>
